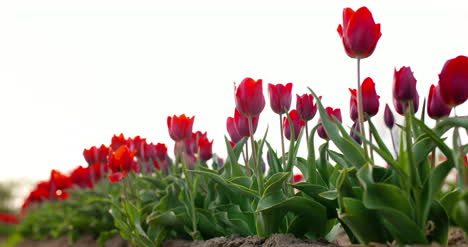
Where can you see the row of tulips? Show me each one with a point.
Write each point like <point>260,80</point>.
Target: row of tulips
<point>152,197</point>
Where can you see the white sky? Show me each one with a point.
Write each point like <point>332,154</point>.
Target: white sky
<point>73,73</point>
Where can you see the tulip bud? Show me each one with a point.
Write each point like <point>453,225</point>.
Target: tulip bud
<point>118,141</point>
<point>249,97</point>
<point>388,117</point>
<point>242,124</point>
<point>60,181</point>
<point>436,107</point>
<point>453,81</point>
<point>297,125</point>
<point>232,130</point>
<point>404,85</point>
<point>306,109</point>
<point>401,106</point>
<point>353,134</point>
<point>359,32</point>
<point>297,178</point>
<point>331,113</point>
<point>370,99</point>
<point>353,108</point>
<point>180,128</point>
<point>205,147</point>
<point>280,97</point>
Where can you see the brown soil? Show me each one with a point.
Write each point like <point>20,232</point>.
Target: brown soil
<point>86,241</point>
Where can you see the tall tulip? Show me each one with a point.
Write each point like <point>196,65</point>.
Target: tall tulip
<point>232,130</point>
<point>280,97</point>
<point>306,109</point>
<point>242,124</point>
<point>436,106</point>
<point>453,81</point>
<point>180,127</point>
<point>297,125</point>
<point>121,162</point>
<point>404,84</point>
<point>205,148</point>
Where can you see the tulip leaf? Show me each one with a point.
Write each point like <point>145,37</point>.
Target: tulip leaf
<point>274,162</point>
<point>232,167</point>
<point>401,227</point>
<point>460,212</point>
<point>236,188</point>
<point>449,200</point>
<point>320,194</point>
<point>275,183</point>
<point>339,159</point>
<point>438,230</point>
<point>382,196</point>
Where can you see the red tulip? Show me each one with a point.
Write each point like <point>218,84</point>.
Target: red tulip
<point>297,125</point>
<point>436,107</point>
<point>96,155</point>
<point>401,106</point>
<point>180,128</point>
<point>80,176</point>
<point>60,181</point>
<point>280,97</point>
<point>297,178</point>
<point>305,106</point>
<point>190,160</point>
<point>161,151</point>
<point>389,119</point>
<point>249,97</point>
<point>359,32</point>
<point>138,144</point>
<point>232,130</point>
<point>353,108</point>
<point>205,147</point>
<point>453,81</point>
<point>118,141</point>
<point>6,218</point>
<point>122,160</point>
<point>117,176</point>
<point>242,124</point>
<point>404,85</point>
<point>370,99</point>
<point>191,146</point>
<point>331,113</point>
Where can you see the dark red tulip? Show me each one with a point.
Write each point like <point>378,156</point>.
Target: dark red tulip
<point>161,151</point>
<point>453,81</point>
<point>118,141</point>
<point>138,144</point>
<point>389,119</point>
<point>249,97</point>
<point>401,106</point>
<point>205,148</point>
<point>96,155</point>
<point>81,177</point>
<point>60,181</point>
<point>180,128</point>
<point>242,124</point>
<point>121,160</point>
<point>404,85</point>
<point>370,99</point>
<point>191,143</point>
<point>359,32</point>
<point>155,152</point>
<point>305,106</point>
<point>280,97</point>
<point>232,130</point>
<point>436,107</point>
<point>331,114</point>
<point>297,125</point>
<point>353,134</point>
<point>353,108</point>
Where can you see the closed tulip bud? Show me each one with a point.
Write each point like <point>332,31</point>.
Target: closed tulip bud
<point>96,155</point>
<point>297,178</point>
<point>161,151</point>
<point>80,176</point>
<point>306,109</point>
<point>453,81</point>
<point>242,124</point>
<point>332,113</point>
<point>205,147</point>
<point>249,97</point>
<point>370,99</point>
<point>232,130</point>
<point>280,97</point>
<point>389,119</point>
<point>60,181</point>
<point>180,128</point>
<point>297,125</point>
<point>359,32</point>
<point>436,107</point>
<point>353,134</point>
<point>404,85</point>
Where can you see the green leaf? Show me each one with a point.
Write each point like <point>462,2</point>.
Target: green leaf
<point>232,167</point>
<point>322,195</point>
<point>401,227</point>
<point>275,183</point>
<point>438,216</point>
<point>383,196</point>
<point>460,212</point>
<point>236,188</point>
<point>449,200</point>
<point>275,163</point>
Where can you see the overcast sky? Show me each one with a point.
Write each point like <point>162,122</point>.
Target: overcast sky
<point>73,73</point>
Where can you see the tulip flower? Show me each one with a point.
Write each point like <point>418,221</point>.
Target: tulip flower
<point>389,119</point>
<point>6,218</point>
<point>180,128</point>
<point>331,114</point>
<point>205,147</point>
<point>80,176</point>
<point>232,130</point>
<point>242,124</point>
<point>249,97</point>
<point>306,109</point>
<point>297,178</point>
<point>96,155</point>
<point>118,141</point>
<point>453,81</point>
<point>297,125</point>
<point>401,107</point>
<point>353,108</point>
<point>355,128</point>
<point>359,32</point>
<point>138,144</point>
<point>436,106</point>
<point>370,99</point>
<point>60,181</point>
<point>121,161</point>
<point>191,145</point>
<point>280,97</point>
<point>404,85</point>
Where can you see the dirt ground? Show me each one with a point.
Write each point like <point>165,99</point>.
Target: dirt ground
<point>457,238</point>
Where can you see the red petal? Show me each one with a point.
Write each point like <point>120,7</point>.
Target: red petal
<point>116,176</point>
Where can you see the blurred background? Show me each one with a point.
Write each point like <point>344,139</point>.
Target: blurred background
<point>74,73</point>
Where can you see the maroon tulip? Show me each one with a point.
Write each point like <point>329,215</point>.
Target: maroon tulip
<point>370,99</point>
<point>205,148</point>
<point>404,85</point>
<point>180,128</point>
<point>359,32</point>
<point>353,109</point>
<point>232,130</point>
<point>118,141</point>
<point>389,119</point>
<point>353,134</point>
<point>305,106</point>
<point>161,151</point>
<point>60,181</point>
<point>96,155</point>
<point>436,107</point>
<point>401,106</point>
<point>249,97</point>
<point>242,124</point>
<point>191,143</point>
<point>331,113</point>
<point>297,125</point>
<point>80,176</point>
<point>453,81</point>
<point>280,97</point>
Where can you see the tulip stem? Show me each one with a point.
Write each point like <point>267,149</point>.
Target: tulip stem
<point>283,158</point>
<point>307,135</point>
<point>370,140</point>
<point>257,171</point>
<point>463,170</point>
<point>360,108</point>
<point>394,144</point>
<point>413,171</point>
<point>246,158</point>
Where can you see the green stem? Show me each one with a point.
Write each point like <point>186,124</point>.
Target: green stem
<point>283,158</point>
<point>191,196</point>
<point>312,176</point>
<point>360,107</point>
<point>413,171</point>
<point>307,134</point>
<point>463,170</point>
<point>370,140</point>
<point>257,171</point>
